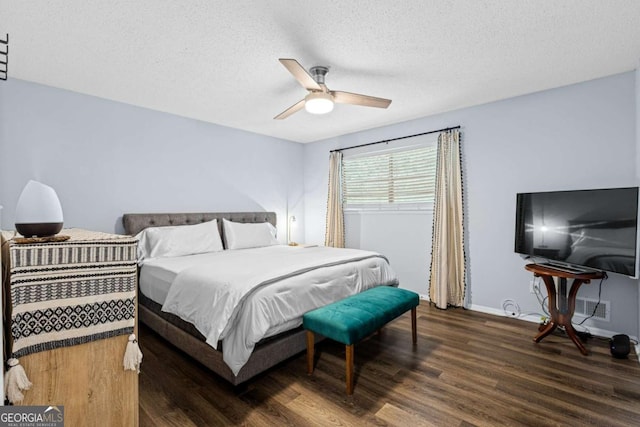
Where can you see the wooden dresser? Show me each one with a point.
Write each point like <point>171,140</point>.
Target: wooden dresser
<point>73,309</point>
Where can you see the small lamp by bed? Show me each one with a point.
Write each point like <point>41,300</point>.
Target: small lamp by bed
<point>38,212</point>
<point>291,224</point>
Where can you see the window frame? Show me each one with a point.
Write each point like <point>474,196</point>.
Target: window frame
<point>416,142</point>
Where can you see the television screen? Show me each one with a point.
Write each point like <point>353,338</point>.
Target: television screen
<point>589,228</point>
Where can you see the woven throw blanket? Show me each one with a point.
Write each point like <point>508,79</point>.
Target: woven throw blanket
<point>72,292</point>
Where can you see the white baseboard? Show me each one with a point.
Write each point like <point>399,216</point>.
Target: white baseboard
<point>535,318</point>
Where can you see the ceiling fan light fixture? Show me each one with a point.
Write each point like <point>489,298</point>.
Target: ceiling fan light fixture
<point>318,103</point>
<point>320,99</point>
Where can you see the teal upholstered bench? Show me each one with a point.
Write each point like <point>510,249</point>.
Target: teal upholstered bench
<point>356,317</point>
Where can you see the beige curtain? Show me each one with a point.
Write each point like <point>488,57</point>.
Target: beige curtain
<point>334,233</point>
<point>447,280</point>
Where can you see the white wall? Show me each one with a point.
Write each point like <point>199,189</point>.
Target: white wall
<point>574,137</point>
<point>106,158</point>
<point>403,237</point>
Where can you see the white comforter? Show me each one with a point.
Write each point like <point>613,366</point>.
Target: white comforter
<point>242,296</point>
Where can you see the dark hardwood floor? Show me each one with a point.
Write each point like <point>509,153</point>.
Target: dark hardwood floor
<point>468,368</point>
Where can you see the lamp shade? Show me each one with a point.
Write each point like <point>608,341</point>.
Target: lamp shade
<point>290,225</point>
<point>318,103</point>
<point>38,212</point>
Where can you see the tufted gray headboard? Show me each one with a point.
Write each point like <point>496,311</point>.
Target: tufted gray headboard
<point>136,222</point>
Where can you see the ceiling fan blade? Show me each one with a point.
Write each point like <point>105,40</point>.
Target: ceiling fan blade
<point>357,99</point>
<point>301,75</point>
<point>289,111</point>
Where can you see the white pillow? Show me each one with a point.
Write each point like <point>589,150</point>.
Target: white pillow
<point>249,235</point>
<point>179,240</point>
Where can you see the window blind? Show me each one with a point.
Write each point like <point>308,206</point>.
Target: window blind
<point>390,179</point>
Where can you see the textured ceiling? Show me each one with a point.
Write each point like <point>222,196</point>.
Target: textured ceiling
<point>217,61</point>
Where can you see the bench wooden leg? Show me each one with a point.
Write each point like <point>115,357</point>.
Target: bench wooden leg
<point>414,327</point>
<point>350,369</point>
<point>310,352</point>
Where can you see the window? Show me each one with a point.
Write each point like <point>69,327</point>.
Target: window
<point>394,179</point>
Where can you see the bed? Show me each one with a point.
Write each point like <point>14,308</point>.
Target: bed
<point>259,326</point>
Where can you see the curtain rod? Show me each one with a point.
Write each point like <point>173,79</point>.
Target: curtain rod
<point>395,139</point>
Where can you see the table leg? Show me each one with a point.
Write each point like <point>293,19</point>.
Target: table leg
<point>561,308</point>
<point>551,326</point>
<point>553,309</point>
<point>562,304</point>
<point>568,327</point>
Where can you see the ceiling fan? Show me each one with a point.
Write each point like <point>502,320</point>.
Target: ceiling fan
<point>320,99</point>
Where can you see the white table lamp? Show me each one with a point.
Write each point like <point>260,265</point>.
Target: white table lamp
<point>38,212</point>
<point>292,224</point>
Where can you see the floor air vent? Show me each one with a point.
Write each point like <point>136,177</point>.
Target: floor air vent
<point>585,307</point>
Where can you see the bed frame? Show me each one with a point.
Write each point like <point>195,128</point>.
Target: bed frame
<point>266,354</point>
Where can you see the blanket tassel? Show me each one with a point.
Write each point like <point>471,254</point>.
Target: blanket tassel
<point>15,380</point>
<point>132,355</point>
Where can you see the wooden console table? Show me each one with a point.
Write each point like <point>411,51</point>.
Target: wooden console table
<point>561,305</point>
<point>73,306</point>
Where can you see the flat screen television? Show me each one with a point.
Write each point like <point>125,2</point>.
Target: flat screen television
<point>580,230</point>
